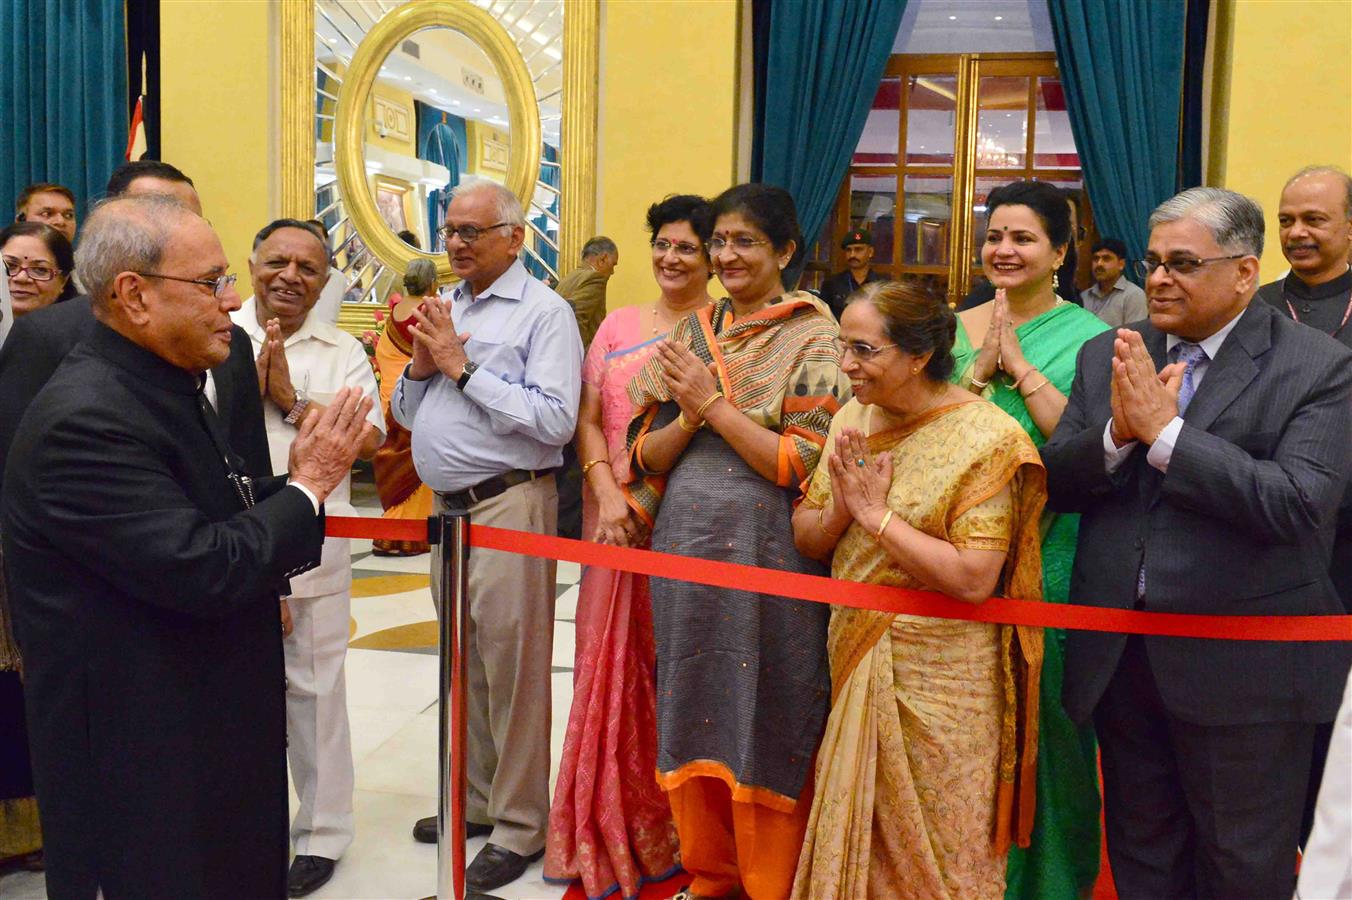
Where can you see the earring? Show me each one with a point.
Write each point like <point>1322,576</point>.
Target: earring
<point>1056,283</point>
<point>915,370</point>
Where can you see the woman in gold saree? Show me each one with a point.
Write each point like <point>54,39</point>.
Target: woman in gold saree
<point>925,772</point>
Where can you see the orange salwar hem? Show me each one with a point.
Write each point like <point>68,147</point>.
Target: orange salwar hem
<point>727,843</point>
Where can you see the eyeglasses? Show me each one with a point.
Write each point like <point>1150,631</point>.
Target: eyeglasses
<point>739,245</point>
<point>468,233</point>
<point>682,248</point>
<point>218,285</point>
<point>862,352</point>
<point>37,272</point>
<point>1180,266</point>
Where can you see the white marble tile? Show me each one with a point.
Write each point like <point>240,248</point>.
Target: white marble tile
<point>412,565</point>
<point>565,643</point>
<point>23,886</point>
<point>374,614</point>
<point>383,679</point>
<point>384,861</point>
<point>568,572</point>
<point>371,728</point>
<point>565,607</point>
<point>405,764</point>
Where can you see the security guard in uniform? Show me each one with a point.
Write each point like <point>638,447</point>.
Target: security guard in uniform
<point>858,247</point>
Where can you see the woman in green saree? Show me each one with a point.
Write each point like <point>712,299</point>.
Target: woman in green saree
<point>1018,351</point>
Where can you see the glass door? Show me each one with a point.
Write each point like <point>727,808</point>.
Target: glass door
<point>943,131</point>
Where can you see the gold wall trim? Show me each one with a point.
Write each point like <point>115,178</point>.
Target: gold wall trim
<point>349,141</point>
<point>577,153</point>
<point>297,109</point>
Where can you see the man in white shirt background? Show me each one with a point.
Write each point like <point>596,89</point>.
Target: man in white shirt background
<point>302,361</point>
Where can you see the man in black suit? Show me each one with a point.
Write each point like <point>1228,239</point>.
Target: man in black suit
<point>40,340</point>
<point>144,572</point>
<point>1209,487</point>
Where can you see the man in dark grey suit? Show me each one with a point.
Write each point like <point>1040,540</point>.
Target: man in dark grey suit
<point>1212,443</point>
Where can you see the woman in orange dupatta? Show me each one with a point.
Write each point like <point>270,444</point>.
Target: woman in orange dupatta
<point>402,493</point>
<point>925,774</point>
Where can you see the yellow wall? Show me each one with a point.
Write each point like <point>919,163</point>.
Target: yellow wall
<point>1288,103</point>
<point>219,113</point>
<point>404,146</point>
<point>667,111</point>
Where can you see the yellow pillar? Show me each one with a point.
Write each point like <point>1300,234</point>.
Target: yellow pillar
<point>1288,103</point>
<point>667,121</point>
<point>218,77</point>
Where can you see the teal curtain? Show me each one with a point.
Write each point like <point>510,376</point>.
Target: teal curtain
<point>442,139</point>
<point>1121,64</point>
<point>822,60</point>
<point>63,80</point>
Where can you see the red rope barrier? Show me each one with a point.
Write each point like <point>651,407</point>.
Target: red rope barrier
<point>820,589</point>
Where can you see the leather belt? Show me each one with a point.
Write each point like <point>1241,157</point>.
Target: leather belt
<point>490,488</point>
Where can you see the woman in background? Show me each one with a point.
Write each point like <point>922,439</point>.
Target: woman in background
<point>39,262</point>
<point>610,825</point>
<point>402,493</point>
<point>1018,351</point>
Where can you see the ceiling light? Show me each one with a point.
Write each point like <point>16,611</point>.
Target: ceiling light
<point>999,18</point>
<point>408,77</point>
<point>952,18</point>
<point>476,109</point>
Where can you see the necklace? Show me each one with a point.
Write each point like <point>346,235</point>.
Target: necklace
<point>681,314</point>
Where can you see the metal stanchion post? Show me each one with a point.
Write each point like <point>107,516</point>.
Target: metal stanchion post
<point>452,713</point>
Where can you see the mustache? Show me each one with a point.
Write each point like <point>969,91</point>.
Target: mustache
<point>1301,247</point>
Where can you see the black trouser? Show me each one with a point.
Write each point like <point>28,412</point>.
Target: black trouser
<point>1194,810</point>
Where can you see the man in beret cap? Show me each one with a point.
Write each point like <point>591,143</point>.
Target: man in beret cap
<point>858,247</point>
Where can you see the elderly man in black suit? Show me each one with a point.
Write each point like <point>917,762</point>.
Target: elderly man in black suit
<point>38,343</point>
<point>144,574</point>
<point>1206,449</point>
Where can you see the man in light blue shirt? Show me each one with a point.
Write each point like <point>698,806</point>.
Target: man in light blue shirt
<point>1112,297</point>
<point>491,397</point>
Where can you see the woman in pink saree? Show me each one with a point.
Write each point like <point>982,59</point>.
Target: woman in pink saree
<point>610,824</point>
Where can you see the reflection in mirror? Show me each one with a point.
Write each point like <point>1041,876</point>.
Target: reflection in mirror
<point>437,114</point>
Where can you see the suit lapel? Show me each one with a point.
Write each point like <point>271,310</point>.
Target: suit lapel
<point>1233,368</point>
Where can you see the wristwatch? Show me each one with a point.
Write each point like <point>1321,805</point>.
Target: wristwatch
<point>469,369</point>
<point>297,409</point>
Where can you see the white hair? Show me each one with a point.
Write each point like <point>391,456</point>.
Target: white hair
<point>1234,220</point>
<point>125,233</point>
<point>508,207</point>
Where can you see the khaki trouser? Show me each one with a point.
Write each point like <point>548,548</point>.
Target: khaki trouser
<point>511,637</point>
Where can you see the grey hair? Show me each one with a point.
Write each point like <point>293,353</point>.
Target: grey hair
<point>1234,220</point>
<point>419,277</point>
<point>598,245</point>
<point>124,234</point>
<point>508,207</point>
<point>1327,170</point>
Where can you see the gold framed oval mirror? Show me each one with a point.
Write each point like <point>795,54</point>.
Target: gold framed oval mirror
<point>354,97</point>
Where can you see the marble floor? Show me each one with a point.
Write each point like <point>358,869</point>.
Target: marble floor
<point>392,704</point>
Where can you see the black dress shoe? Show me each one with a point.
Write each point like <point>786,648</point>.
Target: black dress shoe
<point>496,866</point>
<point>425,830</point>
<point>308,874</point>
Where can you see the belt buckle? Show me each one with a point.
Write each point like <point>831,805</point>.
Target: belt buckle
<point>473,497</point>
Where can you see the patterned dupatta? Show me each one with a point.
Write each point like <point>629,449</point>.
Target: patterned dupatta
<point>778,366</point>
<point>971,451</point>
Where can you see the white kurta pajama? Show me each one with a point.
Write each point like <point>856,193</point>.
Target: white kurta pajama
<point>322,360</point>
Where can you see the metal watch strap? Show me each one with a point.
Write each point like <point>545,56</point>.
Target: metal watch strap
<point>293,417</point>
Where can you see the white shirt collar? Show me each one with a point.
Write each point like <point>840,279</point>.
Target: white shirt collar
<point>510,285</point>
<point>246,317</point>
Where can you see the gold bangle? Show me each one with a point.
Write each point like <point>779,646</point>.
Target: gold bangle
<point>587,466</point>
<point>713,398</point>
<point>821,523</point>
<point>684,425</point>
<point>1045,382</point>
<point>1019,380</point>
<point>883,527</point>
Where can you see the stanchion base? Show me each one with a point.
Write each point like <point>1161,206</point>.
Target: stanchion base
<point>469,896</point>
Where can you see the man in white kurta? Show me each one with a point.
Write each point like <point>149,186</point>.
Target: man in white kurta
<point>302,362</point>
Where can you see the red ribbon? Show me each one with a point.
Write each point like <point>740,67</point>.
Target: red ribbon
<point>820,589</point>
